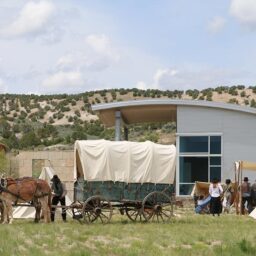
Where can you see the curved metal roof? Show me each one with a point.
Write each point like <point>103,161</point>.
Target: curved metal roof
<point>150,110</point>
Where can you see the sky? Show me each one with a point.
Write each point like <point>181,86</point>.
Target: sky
<point>73,46</point>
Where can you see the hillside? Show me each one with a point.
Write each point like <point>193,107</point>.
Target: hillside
<point>29,121</point>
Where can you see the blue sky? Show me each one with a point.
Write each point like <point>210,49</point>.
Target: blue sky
<point>74,46</point>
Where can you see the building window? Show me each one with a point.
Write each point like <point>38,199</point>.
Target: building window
<point>199,160</point>
<point>191,144</point>
<point>215,144</point>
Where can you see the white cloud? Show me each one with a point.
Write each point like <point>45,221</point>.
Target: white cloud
<point>34,18</point>
<point>163,77</point>
<point>66,61</point>
<point>216,24</point>
<point>141,85</point>
<point>63,81</point>
<point>183,79</point>
<point>244,11</point>
<point>98,54</point>
<point>101,45</point>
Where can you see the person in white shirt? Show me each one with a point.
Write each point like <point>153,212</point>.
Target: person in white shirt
<point>215,190</point>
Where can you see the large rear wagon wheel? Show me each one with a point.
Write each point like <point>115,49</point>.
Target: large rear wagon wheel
<point>97,209</point>
<point>157,206</point>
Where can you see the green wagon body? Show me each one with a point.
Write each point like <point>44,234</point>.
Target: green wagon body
<point>118,191</point>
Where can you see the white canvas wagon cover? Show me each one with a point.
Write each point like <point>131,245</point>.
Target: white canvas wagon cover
<point>124,161</point>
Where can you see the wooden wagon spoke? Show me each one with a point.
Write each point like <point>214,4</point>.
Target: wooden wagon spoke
<point>134,213</point>
<point>166,210</point>
<point>101,219</point>
<point>159,209</point>
<point>103,215</point>
<point>97,207</point>
<point>153,216</point>
<point>165,214</point>
<point>136,216</point>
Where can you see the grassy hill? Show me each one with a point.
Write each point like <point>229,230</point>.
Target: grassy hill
<point>29,121</point>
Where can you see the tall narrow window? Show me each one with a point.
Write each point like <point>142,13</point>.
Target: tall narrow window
<point>199,160</point>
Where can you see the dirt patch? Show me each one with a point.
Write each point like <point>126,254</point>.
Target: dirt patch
<point>186,246</point>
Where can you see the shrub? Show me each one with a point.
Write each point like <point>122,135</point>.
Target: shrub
<point>246,102</point>
<point>253,103</point>
<point>77,112</point>
<point>243,94</point>
<point>233,101</point>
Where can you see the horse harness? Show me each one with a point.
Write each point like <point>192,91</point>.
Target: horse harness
<point>4,188</point>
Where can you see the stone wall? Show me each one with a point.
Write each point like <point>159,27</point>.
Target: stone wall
<point>25,163</point>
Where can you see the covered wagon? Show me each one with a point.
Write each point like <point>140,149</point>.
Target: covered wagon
<point>135,177</point>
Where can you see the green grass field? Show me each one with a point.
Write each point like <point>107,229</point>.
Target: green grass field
<point>186,235</point>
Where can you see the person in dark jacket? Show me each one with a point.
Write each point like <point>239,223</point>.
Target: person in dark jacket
<point>246,197</point>
<point>59,192</point>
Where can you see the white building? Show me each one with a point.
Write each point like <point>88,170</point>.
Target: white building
<point>210,136</point>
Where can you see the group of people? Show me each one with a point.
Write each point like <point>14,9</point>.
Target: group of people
<point>248,193</point>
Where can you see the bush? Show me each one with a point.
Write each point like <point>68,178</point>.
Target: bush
<point>77,112</point>
<point>243,94</point>
<point>73,102</point>
<point>246,102</point>
<point>51,120</point>
<point>233,101</point>
<point>253,103</point>
<point>233,91</point>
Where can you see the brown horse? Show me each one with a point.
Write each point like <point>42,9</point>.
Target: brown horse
<point>25,190</point>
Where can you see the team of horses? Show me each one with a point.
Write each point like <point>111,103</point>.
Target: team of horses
<point>29,190</point>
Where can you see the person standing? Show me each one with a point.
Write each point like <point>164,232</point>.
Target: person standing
<point>246,197</point>
<point>228,195</point>
<point>59,192</point>
<point>215,190</point>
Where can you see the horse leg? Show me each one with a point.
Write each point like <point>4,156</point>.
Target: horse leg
<point>38,211</point>
<point>45,209</point>
<point>4,213</point>
<point>8,217</point>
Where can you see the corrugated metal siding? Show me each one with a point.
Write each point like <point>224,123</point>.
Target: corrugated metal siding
<point>238,133</point>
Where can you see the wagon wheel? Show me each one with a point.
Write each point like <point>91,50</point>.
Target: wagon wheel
<point>157,206</point>
<point>134,213</point>
<point>97,208</point>
<point>77,210</point>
